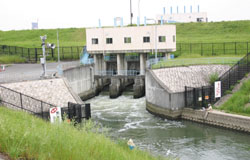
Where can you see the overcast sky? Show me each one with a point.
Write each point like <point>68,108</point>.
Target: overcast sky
<point>18,14</point>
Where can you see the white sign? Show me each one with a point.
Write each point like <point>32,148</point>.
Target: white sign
<point>55,114</point>
<point>217,89</point>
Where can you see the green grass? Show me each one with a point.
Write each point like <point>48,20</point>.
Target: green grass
<point>212,32</point>
<point>26,137</point>
<point>31,38</point>
<point>237,103</point>
<point>7,59</point>
<point>196,61</point>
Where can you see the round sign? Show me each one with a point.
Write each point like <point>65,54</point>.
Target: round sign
<point>53,110</point>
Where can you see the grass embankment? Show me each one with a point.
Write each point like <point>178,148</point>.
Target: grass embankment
<point>212,32</point>
<point>25,136</point>
<point>183,61</point>
<point>7,59</point>
<point>31,38</point>
<point>239,103</point>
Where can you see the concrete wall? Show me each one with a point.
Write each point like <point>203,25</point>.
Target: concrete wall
<point>183,17</point>
<point>218,118</point>
<point>81,80</point>
<point>52,91</point>
<point>136,33</point>
<point>160,100</point>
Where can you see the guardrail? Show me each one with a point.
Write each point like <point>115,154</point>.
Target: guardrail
<point>115,73</point>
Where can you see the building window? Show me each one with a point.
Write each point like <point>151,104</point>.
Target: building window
<point>162,38</point>
<point>146,39</point>
<point>109,40</point>
<point>94,40</point>
<point>173,38</point>
<point>127,39</point>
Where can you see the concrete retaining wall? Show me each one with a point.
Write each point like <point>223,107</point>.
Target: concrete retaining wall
<point>159,96</point>
<point>217,118</point>
<point>51,91</point>
<point>81,80</point>
<point>162,102</point>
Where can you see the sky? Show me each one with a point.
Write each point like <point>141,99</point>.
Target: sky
<point>19,14</point>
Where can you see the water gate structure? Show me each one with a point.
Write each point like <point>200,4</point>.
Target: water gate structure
<point>120,54</point>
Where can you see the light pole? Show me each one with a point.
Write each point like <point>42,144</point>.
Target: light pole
<point>43,60</point>
<point>156,60</point>
<point>58,54</point>
<point>139,14</point>
<point>131,14</point>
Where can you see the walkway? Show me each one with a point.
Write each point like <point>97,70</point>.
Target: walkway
<point>24,72</point>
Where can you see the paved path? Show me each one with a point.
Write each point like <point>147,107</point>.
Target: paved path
<point>25,72</point>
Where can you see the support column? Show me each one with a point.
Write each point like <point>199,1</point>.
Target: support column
<point>120,63</point>
<point>167,55</point>
<point>142,63</point>
<point>96,67</point>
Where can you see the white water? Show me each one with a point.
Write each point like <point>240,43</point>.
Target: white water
<point>127,118</point>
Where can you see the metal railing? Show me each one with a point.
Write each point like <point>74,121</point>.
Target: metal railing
<point>33,55</point>
<point>212,49</point>
<point>200,97</point>
<point>115,73</point>
<point>19,101</point>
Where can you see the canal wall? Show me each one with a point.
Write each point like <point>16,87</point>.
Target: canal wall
<point>160,100</point>
<point>217,118</point>
<point>165,88</point>
<point>81,80</point>
<point>163,100</point>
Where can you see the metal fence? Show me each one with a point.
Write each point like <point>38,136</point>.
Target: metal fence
<point>18,101</point>
<point>33,55</point>
<point>200,97</point>
<point>213,49</point>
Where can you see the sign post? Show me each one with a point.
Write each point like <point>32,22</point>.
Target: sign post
<point>217,89</point>
<point>55,114</point>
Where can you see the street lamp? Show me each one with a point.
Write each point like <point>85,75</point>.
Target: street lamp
<point>43,60</point>
<point>156,60</point>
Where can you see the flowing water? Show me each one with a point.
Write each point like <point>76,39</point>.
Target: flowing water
<point>127,118</point>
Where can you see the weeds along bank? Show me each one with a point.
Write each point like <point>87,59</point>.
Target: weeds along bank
<point>239,103</point>
<point>28,137</point>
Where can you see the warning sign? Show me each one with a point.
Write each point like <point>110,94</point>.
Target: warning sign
<point>55,114</point>
<point>217,89</point>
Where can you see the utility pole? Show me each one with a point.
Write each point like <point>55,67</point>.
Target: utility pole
<point>58,53</point>
<point>131,14</point>
<point>43,60</point>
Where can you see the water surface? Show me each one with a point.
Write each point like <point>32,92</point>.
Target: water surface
<point>127,118</point>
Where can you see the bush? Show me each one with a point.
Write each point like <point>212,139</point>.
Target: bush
<point>213,78</point>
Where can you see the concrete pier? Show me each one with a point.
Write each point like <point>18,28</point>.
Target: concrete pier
<point>139,87</point>
<point>116,87</point>
<point>142,63</point>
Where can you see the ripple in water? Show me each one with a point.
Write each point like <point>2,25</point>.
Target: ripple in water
<point>127,118</point>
